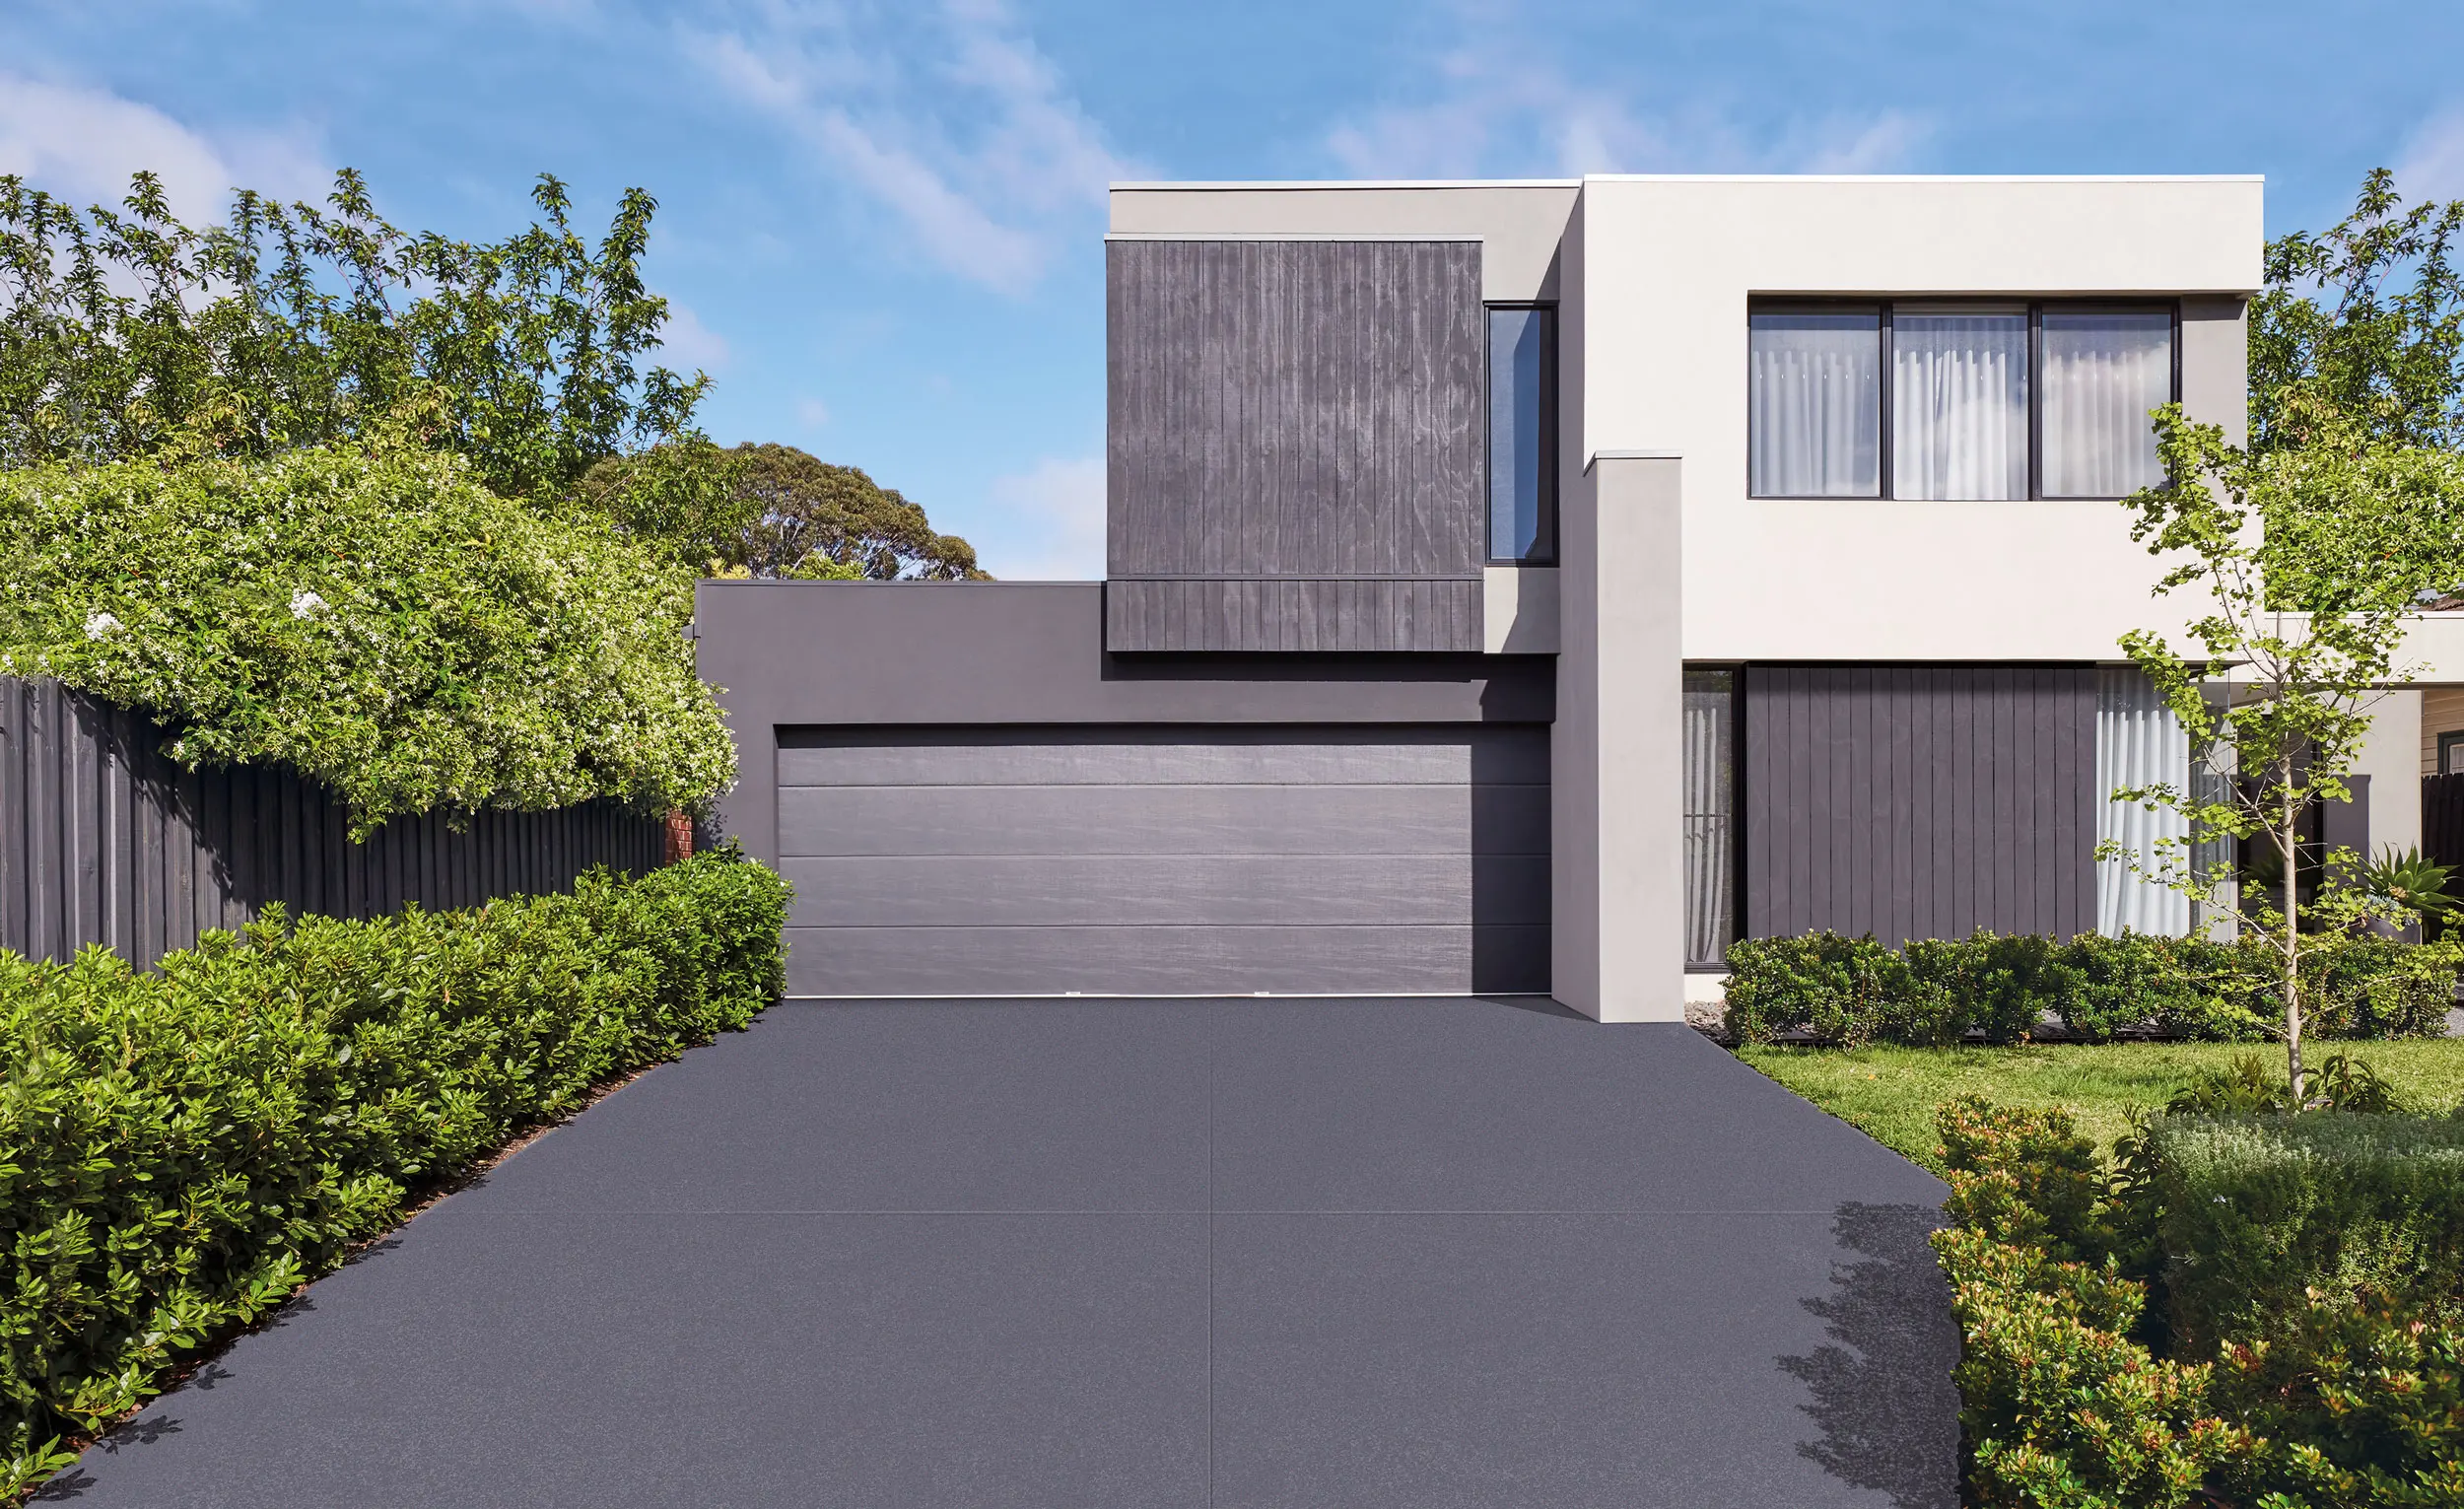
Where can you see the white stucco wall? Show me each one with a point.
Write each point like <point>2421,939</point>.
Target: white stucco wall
<point>1671,264</point>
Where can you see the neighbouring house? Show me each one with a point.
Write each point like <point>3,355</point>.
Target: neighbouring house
<point>1534,588</point>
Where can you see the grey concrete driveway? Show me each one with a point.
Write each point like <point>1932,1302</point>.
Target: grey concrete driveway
<point>1351,1254</point>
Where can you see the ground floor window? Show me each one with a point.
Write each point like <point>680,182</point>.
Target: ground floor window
<point>2139,742</point>
<point>1710,814</point>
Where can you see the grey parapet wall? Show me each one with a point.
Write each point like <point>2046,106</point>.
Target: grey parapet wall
<point>104,839</point>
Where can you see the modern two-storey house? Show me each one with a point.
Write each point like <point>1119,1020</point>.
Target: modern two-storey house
<point>1532,587</point>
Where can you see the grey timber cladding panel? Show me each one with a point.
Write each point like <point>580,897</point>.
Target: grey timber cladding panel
<point>1166,861</point>
<point>1295,446</point>
<point>1919,801</point>
<point>106,840</point>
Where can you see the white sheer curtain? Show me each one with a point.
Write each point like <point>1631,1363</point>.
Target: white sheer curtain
<point>2138,743</point>
<point>1815,400</point>
<point>2103,370</point>
<point>1710,786</point>
<point>1958,398</point>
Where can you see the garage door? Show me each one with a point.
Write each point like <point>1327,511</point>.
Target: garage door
<point>1166,861</point>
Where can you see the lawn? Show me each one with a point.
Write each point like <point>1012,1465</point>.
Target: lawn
<point>1891,1093</point>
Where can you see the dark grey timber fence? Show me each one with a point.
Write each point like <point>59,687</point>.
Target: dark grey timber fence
<point>106,840</point>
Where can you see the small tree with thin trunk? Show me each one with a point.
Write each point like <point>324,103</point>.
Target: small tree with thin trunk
<point>2311,559</point>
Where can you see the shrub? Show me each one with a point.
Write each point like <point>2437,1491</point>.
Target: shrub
<point>2353,1406</point>
<point>2019,1176</point>
<point>2260,1210</point>
<point>382,623</point>
<point>179,1150</point>
<point>1854,990</point>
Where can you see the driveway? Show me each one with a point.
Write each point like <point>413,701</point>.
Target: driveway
<point>1429,1254</point>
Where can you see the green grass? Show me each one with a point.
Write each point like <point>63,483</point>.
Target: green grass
<point>1891,1093</point>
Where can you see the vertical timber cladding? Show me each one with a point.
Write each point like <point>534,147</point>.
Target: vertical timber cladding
<point>1919,801</point>
<point>1295,444</point>
<point>1173,860</point>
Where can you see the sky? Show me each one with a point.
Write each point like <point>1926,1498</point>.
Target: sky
<point>880,226</point>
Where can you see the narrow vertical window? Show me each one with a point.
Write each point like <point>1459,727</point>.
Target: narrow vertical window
<point>2103,370</point>
<point>1958,399</point>
<point>1814,402</point>
<point>1710,815</point>
<point>1523,433</point>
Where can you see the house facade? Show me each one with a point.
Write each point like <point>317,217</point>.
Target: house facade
<point>1534,588</point>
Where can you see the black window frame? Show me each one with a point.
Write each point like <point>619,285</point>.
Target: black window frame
<point>1885,483</point>
<point>2446,742</point>
<point>1549,451</point>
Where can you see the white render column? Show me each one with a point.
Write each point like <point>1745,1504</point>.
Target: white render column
<point>1617,752</point>
<point>2391,756</point>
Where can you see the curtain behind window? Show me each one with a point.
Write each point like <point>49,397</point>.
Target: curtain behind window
<point>2138,743</point>
<point>2103,370</point>
<point>1815,404</point>
<point>1958,404</point>
<point>1710,815</point>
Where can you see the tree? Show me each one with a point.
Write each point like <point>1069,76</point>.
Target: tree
<point>2313,543</point>
<point>774,511</point>
<point>126,334</point>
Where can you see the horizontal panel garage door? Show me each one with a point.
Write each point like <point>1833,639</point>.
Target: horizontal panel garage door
<point>1166,861</point>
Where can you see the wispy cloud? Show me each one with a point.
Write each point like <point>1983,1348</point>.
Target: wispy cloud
<point>686,343</point>
<point>812,413</point>
<point>1058,505</point>
<point>1490,104</point>
<point>950,119</point>
<point>2430,165</point>
<point>82,143</point>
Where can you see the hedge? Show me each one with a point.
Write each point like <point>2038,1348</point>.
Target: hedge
<point>2261,1210</point>
<point>1851,990</point>
<point>2076,1395</point>
<point>180,1150</point>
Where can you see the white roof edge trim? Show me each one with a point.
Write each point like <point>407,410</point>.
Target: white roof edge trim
<point>1599,457</point>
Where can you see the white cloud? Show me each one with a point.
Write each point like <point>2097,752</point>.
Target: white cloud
<point>83,143</point>
<point>2431,164</point>
<point>1060,505</point>
<point>951,121</point>
<point>1492,105</point>
<point>812,413</point>
<point>686,343</point>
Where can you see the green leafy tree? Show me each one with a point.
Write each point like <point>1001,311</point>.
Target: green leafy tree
<point>774,511</point>
<point>2308,547</point>
<point>126,334</point>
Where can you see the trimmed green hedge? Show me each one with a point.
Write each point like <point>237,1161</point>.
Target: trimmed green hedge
<point>1854,990</point>
<point>180,1150</point>
<point>2259,1211</point>
<point>2314,1358</point>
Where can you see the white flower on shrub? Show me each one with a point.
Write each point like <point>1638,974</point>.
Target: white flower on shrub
<point>99,624</point>
<point>305,603</point>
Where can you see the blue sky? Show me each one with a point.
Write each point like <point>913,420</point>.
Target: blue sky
<point>881,224</point>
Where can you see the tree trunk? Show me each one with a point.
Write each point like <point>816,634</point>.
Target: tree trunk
<point>2290,845</point>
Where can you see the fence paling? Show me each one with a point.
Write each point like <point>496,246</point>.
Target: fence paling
<point>104,839</point>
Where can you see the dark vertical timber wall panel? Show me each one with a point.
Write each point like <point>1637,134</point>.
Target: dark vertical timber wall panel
<point>105,840</point>
<point>1295,453</point>
<point>1919,801</point>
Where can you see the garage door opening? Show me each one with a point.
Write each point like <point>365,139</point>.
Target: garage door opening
<point>1166,859</point>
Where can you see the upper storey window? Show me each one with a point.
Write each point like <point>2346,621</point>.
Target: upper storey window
<point>1522,432</point>
<point>1956,400</point>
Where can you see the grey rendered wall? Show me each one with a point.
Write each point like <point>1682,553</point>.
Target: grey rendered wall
<point>1295,447</point>
<point>786,654</point>
<point>1919,801</point>
<point>103,839</point>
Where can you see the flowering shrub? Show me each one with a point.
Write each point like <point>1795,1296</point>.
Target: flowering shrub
<point>363,1061</point>
<point>376,620</point>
